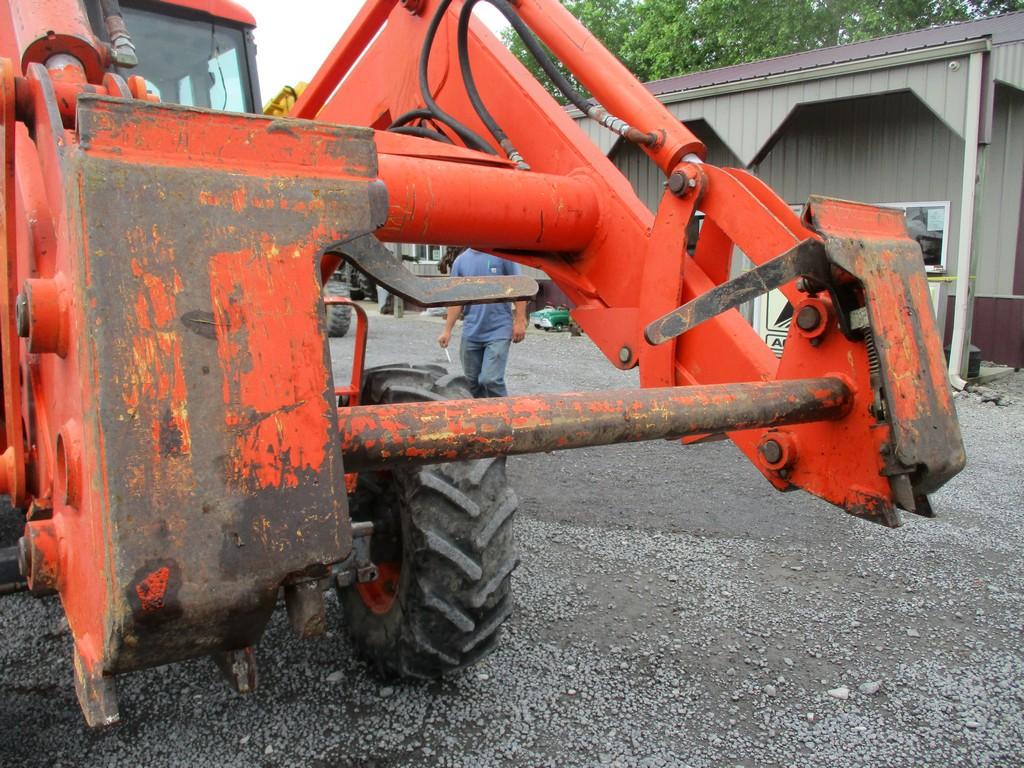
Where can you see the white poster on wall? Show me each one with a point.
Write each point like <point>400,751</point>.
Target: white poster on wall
<point>927,222</point>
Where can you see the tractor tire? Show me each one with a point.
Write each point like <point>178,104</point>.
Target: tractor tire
<point>446,554</point>
<point>339,318</point>
<point>364,286</point>
<point>361,287</point>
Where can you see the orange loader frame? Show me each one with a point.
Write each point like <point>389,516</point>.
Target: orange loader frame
<point>171,427</point>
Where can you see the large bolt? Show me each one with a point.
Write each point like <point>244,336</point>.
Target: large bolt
<point>21,315</point>
<point>680,184</point>
<point>625,355</point>
<point>41,313</point>
<point>808,318</point>
<point>771,451</point>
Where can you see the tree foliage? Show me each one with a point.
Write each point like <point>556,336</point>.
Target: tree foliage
<point>666,38</point>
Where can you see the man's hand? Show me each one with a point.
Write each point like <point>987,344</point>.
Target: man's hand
<point>450,318</point>
<point>518,330</point>
<point>518,321</point>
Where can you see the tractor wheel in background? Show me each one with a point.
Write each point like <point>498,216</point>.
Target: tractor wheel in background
<point>363,285</point>
<point>445,555</point>
<point>339,317</point>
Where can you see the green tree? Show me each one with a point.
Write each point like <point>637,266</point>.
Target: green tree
<point>666,38</point>
<point>613,22</point>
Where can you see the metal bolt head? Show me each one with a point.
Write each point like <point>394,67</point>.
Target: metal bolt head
<point>24,557</point>
<point>677,183</point>
<point>682,183</point>
<point>808,318</point>
<point>625,355</point>
<point>21,315</point>
<point>771,451</point>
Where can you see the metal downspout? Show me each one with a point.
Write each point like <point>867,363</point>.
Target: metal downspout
<point>959,357</point>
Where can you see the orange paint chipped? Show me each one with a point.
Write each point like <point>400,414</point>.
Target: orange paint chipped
<point>156,380</point>
<point>152,589</point>
<point>238,200</point>
<point>272,358</point>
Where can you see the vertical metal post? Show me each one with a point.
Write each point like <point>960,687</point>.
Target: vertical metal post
<point>959,355</point>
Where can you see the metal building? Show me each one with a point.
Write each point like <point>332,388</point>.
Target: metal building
<point>930,121</point>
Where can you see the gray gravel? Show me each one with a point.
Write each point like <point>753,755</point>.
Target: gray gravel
<point>672,610</point>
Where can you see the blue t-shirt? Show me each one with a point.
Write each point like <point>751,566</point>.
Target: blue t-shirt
<point>485,322</point>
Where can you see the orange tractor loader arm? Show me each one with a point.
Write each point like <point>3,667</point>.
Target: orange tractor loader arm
<point>171,427</point>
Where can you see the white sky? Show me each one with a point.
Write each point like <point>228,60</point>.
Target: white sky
<point>293,38</point>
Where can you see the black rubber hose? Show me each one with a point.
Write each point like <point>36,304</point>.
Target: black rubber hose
<point>474,94</point>
<point>468,136</point>
<point>593,110</point>
<point>537,51</point>
<point>423,133</point>
<point>408,117</point>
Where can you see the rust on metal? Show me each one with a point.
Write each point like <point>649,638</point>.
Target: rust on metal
<point>378,436</point>
<point>805,259</point>
<point>872,244</point>
<point>190,438</point>
<point>169,412</point>
<point>371,258</point>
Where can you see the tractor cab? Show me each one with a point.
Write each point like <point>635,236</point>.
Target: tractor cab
<point>198,53</point>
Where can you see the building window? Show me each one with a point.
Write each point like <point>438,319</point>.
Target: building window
<point>928,223</point>
<point>428,253</point>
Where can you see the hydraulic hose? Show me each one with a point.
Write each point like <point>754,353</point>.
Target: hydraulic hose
<point>592,110</point>
<point>470,137</point>
<point>422,132</point>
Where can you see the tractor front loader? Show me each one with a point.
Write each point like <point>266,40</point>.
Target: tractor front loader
<point>172,433</point>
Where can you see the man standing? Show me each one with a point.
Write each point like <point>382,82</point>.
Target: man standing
<point>487,329</point>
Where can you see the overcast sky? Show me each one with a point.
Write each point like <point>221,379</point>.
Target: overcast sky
<point>293,38</point>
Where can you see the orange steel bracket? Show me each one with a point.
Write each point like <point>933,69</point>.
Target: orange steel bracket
<point>12,460</point>
<point>573,215</point>
<point>351,392</point>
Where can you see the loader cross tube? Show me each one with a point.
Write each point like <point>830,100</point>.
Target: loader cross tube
<point>385,436</point>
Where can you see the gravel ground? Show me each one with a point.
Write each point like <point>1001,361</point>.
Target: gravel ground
<point>671,610</point>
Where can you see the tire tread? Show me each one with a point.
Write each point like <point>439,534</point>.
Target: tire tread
<point>458,535</point>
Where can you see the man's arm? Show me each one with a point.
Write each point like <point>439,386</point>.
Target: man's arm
<point>518,321</point>
<point>449,324</point>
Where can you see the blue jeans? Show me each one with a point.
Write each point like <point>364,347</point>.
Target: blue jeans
<point>484,365</point>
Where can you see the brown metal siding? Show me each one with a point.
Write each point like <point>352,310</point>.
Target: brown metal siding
<point>999,209</point>
<point>997,329</point>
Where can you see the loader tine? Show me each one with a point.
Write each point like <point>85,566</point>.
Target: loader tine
<point>806,259</point>
<point>371,258</point>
